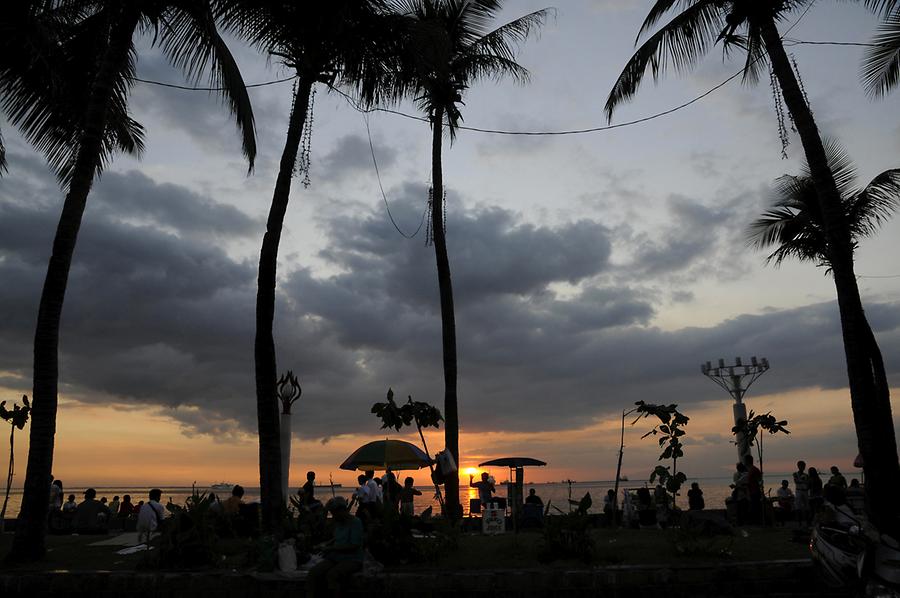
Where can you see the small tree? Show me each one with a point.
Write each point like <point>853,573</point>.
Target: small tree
<point>670,430</point>
<point>17,418</point>
<point>422,414</point>
<point>747,434</point>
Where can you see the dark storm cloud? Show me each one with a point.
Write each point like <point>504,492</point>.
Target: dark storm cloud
<point>158,313</point>
<point>352,154</point>
<point>168,206</point>
<point>699,237</point>
<point>202,116</point>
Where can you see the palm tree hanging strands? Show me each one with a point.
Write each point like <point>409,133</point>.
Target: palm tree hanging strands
<point>779,114</point>
<point>429,223</point>
<point>303,160</point>
<point>800,82</point>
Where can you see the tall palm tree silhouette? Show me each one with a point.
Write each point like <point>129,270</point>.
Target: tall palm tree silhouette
<point>793,225</point>
<point>452,46</point>
<point>101,33</point>
<point>342,42</point>
<point>752,26</point>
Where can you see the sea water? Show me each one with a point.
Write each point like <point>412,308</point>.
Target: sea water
<point>715,491</point>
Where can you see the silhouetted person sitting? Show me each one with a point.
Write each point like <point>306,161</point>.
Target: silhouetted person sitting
<point>90,515</point>
<point>343,557</point>
<point>70,505</point>
<point>856,497</point>
<point>150,518</point>
<point>646,508</point>
<point>695,498</point>
<point>232,506</point>
<point>837,478</point>
<point>533,499</point>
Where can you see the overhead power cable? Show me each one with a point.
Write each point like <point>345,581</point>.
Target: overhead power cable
<point>356,105</point>
<point>189,88</point>
<point>381,187</point>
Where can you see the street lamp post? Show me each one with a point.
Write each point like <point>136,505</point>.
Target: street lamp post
<point>736,379</point>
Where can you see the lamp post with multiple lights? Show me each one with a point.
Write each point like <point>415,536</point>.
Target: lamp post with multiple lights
<point>736,379</point>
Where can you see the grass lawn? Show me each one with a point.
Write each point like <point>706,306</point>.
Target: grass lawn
<point>626,547</point>
<point>75,553</point>
<point>475,551</point>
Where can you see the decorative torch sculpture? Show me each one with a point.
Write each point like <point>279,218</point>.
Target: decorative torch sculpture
<point>288,392</point>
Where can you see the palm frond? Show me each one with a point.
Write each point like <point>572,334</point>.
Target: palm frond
<point>46,92</point>
<point>875,204</point>
<point>881,64</point>
<point>656,13</point>
<point>471,19</point>
<point>504,40</point>
<point>192,43</point>
<point>756,54</point>
<point>882,7</point>
<point>794,223</point>
<point>841,166</point>
<point>472,67</point>
<point>680,44</point>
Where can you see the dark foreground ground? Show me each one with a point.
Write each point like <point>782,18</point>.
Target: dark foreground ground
<point>765,562</point>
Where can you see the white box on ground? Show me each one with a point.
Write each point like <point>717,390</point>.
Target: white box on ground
<point>493,520</point>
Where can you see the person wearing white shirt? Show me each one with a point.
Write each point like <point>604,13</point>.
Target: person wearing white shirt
<point>151,516</point>
<point>371,489</point>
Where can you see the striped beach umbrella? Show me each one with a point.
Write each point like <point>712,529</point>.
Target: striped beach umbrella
<point>381,454</point>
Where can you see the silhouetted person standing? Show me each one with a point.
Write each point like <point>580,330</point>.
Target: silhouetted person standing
<point>485,489</point>
<point>801,492</point>
<point>754,490</point>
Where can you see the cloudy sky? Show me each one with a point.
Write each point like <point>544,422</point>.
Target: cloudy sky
<point>590,271</point>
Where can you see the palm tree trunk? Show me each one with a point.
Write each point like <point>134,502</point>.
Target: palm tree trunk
<point>448,318</point>
<point>28,543</point>
<point>264,346</point>
<point>869,393</point>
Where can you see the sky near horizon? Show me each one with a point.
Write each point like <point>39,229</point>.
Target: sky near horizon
<point>590,271</point>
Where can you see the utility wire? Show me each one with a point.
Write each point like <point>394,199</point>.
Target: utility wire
<point>356,105</point>
<point>800,42</point>
<point>381,187</point>
<point>188,88</point>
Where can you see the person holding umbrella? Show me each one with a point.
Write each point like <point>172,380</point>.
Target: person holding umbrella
<point>344,554</point>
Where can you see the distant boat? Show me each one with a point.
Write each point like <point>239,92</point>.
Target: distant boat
<point>623,478</point>
<point>222,486</point>
<point>329,485</point>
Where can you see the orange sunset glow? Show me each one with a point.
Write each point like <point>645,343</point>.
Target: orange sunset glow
<point>112,446</point>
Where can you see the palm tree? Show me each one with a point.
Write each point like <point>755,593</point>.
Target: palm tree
<point>339,42</point>
<point>752,26</point>
<point>452,46</point>
<point>100,38</point>
<point>793,225</point>
<point>881,66</point>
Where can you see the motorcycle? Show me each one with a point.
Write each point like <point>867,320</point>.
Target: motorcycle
<point>851,553</point>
